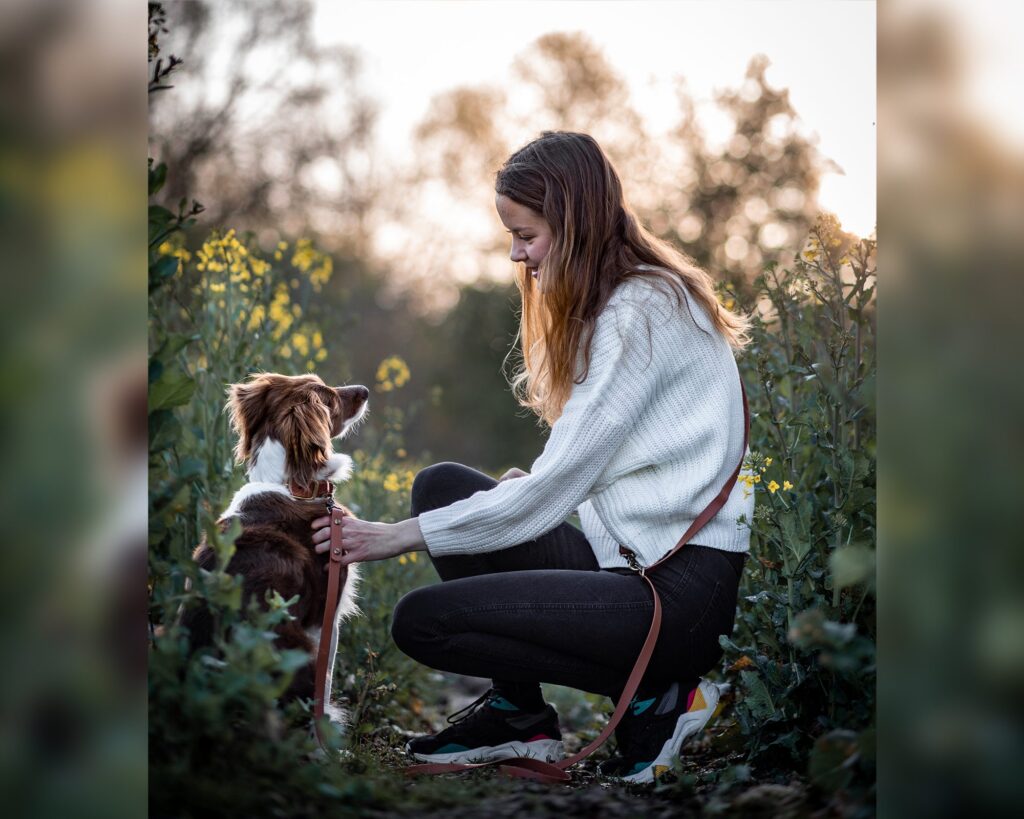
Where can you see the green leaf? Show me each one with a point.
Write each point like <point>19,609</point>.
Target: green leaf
<point>852,565</point>
<point>159,215</point>
<point>157,177</point>
<point>164,430</point>
<point>173,389</point>
<point>173,344</point>
<point>830,764</point>
<point>163,268</point>
<point>758,700</point>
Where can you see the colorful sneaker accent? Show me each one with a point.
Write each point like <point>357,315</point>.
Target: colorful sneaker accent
<point>650,738</point>
<point>492,728</point>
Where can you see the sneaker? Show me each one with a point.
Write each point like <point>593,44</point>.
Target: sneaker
<point>492,728</point>
<point>652,731</point>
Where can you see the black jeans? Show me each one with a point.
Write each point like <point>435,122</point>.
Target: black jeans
<point>544,611</point>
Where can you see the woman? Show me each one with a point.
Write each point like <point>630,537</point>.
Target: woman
<point>628,356</point>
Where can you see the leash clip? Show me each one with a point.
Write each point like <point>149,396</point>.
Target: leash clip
<point>634,564</point>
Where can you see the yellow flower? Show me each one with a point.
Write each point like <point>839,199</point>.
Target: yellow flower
<point>282,245</point>
<point>392,373</point>
<point>773,487</point>
<point>286,351</point>
<point>391,482</point>
<point>729,304</point>
<point>412,556</point>
<point>401,559</point>
<point>165,249</point>
<point>400,453</point>
<point>259,312</point>
<point>321,354</point>
<point>787,485</point>
<point>301,343</point>
<point>767,461</point>
<point>757,479</point>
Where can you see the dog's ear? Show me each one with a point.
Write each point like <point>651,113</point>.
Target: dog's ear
<point>306,436</point>
<point>247,413</point>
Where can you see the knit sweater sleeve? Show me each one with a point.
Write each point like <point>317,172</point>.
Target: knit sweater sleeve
<point>596,421</point>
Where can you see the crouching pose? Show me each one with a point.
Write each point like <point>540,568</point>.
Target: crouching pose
<point>629,357</point>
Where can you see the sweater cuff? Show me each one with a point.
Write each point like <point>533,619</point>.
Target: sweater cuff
<point>435,525</point>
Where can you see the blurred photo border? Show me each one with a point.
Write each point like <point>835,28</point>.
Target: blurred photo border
<point>951,206</point>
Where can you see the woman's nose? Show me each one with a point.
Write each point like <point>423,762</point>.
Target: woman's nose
<point>518,253</point>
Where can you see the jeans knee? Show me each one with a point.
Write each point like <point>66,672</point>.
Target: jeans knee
<point>440,485</point>
<point>411,622</point>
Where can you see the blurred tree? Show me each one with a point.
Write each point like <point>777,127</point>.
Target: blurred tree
<point>477,420</point>
<point>734,207</point>
<point>460,137</point>
<point>753,201</point>
<point>272,150</point>
<point>575,88</point>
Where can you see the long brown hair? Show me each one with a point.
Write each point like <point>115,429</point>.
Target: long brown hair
<point>597,243</point>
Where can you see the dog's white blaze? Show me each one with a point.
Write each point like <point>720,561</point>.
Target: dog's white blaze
<point>269,463</point>
<point>248,491</point>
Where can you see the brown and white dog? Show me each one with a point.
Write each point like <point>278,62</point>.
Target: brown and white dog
<point>285,427</point>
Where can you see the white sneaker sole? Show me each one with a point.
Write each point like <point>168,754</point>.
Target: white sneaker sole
<point>690,723</point>
<point>548,750</point>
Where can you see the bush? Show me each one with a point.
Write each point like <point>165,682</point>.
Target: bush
<point>803,650</point>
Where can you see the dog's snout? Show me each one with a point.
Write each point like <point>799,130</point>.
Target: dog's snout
<point>356,394</point>
<point>354,402</point>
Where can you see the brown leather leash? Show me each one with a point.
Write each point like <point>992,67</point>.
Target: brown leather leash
<point>528,768</point>
<point>331,607</point>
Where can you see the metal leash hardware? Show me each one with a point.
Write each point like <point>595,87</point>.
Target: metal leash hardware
<point>634,564</point>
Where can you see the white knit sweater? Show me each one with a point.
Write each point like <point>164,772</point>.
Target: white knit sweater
<point>641,448</point>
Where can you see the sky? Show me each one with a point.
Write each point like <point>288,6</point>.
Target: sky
<point>823,52</point>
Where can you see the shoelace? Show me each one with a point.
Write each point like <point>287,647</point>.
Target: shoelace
<point>471,709</point>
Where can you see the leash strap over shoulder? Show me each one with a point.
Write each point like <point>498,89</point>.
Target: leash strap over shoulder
<point>326,629</point>
<point>526,768</point>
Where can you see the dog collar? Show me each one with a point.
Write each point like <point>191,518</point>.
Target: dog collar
<point>319,489</point>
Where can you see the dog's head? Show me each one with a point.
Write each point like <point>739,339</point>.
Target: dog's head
<point>301,414</point>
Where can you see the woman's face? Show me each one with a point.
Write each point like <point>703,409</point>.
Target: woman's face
<point>531,235</point>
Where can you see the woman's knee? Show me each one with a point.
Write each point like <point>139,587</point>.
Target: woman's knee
<point>442,484</point>
<point>414,622</point>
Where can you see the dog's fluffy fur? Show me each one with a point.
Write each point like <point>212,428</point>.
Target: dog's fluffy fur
<point>285,426</point>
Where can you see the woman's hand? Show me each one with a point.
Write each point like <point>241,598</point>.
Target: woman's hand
<point>363,540</point>
<point>513,473</point>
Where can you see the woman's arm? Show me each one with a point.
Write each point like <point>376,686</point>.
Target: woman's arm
<point>364,540</point>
